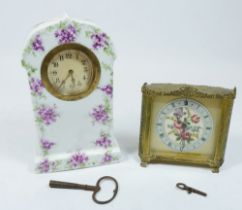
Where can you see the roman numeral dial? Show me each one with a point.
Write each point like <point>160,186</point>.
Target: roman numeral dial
<point>70,72</point>
<point>184,125</point>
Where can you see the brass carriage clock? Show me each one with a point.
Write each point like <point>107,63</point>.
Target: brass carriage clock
<point>185,124</point>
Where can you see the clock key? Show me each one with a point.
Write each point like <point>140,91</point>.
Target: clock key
<point>190,190</point>
<point>94,188</point>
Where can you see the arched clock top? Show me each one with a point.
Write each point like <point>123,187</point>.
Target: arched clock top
<point>47,36</point>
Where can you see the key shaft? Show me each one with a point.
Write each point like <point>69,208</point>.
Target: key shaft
<point>68,185</point>
<point>198,192</point>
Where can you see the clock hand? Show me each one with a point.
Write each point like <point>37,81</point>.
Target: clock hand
<point>64,81</point>
<point>73,79</point>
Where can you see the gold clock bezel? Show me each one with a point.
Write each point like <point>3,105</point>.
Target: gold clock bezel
<point>92,83</point>
<point>164,92</point>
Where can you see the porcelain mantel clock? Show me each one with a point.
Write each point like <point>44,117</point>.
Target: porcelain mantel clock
<point>69,65</point>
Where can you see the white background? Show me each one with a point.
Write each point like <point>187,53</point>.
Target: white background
<point>179,41</point>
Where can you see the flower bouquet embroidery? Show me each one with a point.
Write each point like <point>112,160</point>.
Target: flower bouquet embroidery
<point>184,126</point>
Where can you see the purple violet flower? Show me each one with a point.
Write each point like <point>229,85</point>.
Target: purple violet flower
<point>108,89</point>
<point>178,113</point>
<point>66,35</point>
<point>37,44</point>
<point>78,159</point>
<point>47,114</point>
<point>99,114</point>
<point>47,145</point>
<point>36,86</point>
<point>100,40</point>
<point>103,141</point>
<point>107,158</point>
<point>45,166</point>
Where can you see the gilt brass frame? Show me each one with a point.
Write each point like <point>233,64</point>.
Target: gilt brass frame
<point>150,92</point>
<point>92,83</point>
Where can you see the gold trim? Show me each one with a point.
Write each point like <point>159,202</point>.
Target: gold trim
<point>190,91</point>
<point>144,146</point>
<point>93,82</point>
<point>184,90</point>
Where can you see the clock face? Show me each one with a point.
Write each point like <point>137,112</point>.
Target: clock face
<point>70,71</point>
<point>184,125</point>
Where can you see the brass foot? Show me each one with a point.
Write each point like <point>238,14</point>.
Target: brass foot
<point>143,164</point>
<point>215,170</point>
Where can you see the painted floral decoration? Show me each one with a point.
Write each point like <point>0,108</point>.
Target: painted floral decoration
<point>36,86</point>
<point>100,114</point>
<point>46,144</point>
<point>185,126</point>
<point>30,69</point>
<point>45,166</point>
<point>78,159</point>
<point>103,141</point>
<point>47,114</point>
<point>100,40</point>
<point>37,44</point>
<point>66,35</point>
<point>195,119</point>
<point>107,89</point>
<point>107,158</point>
